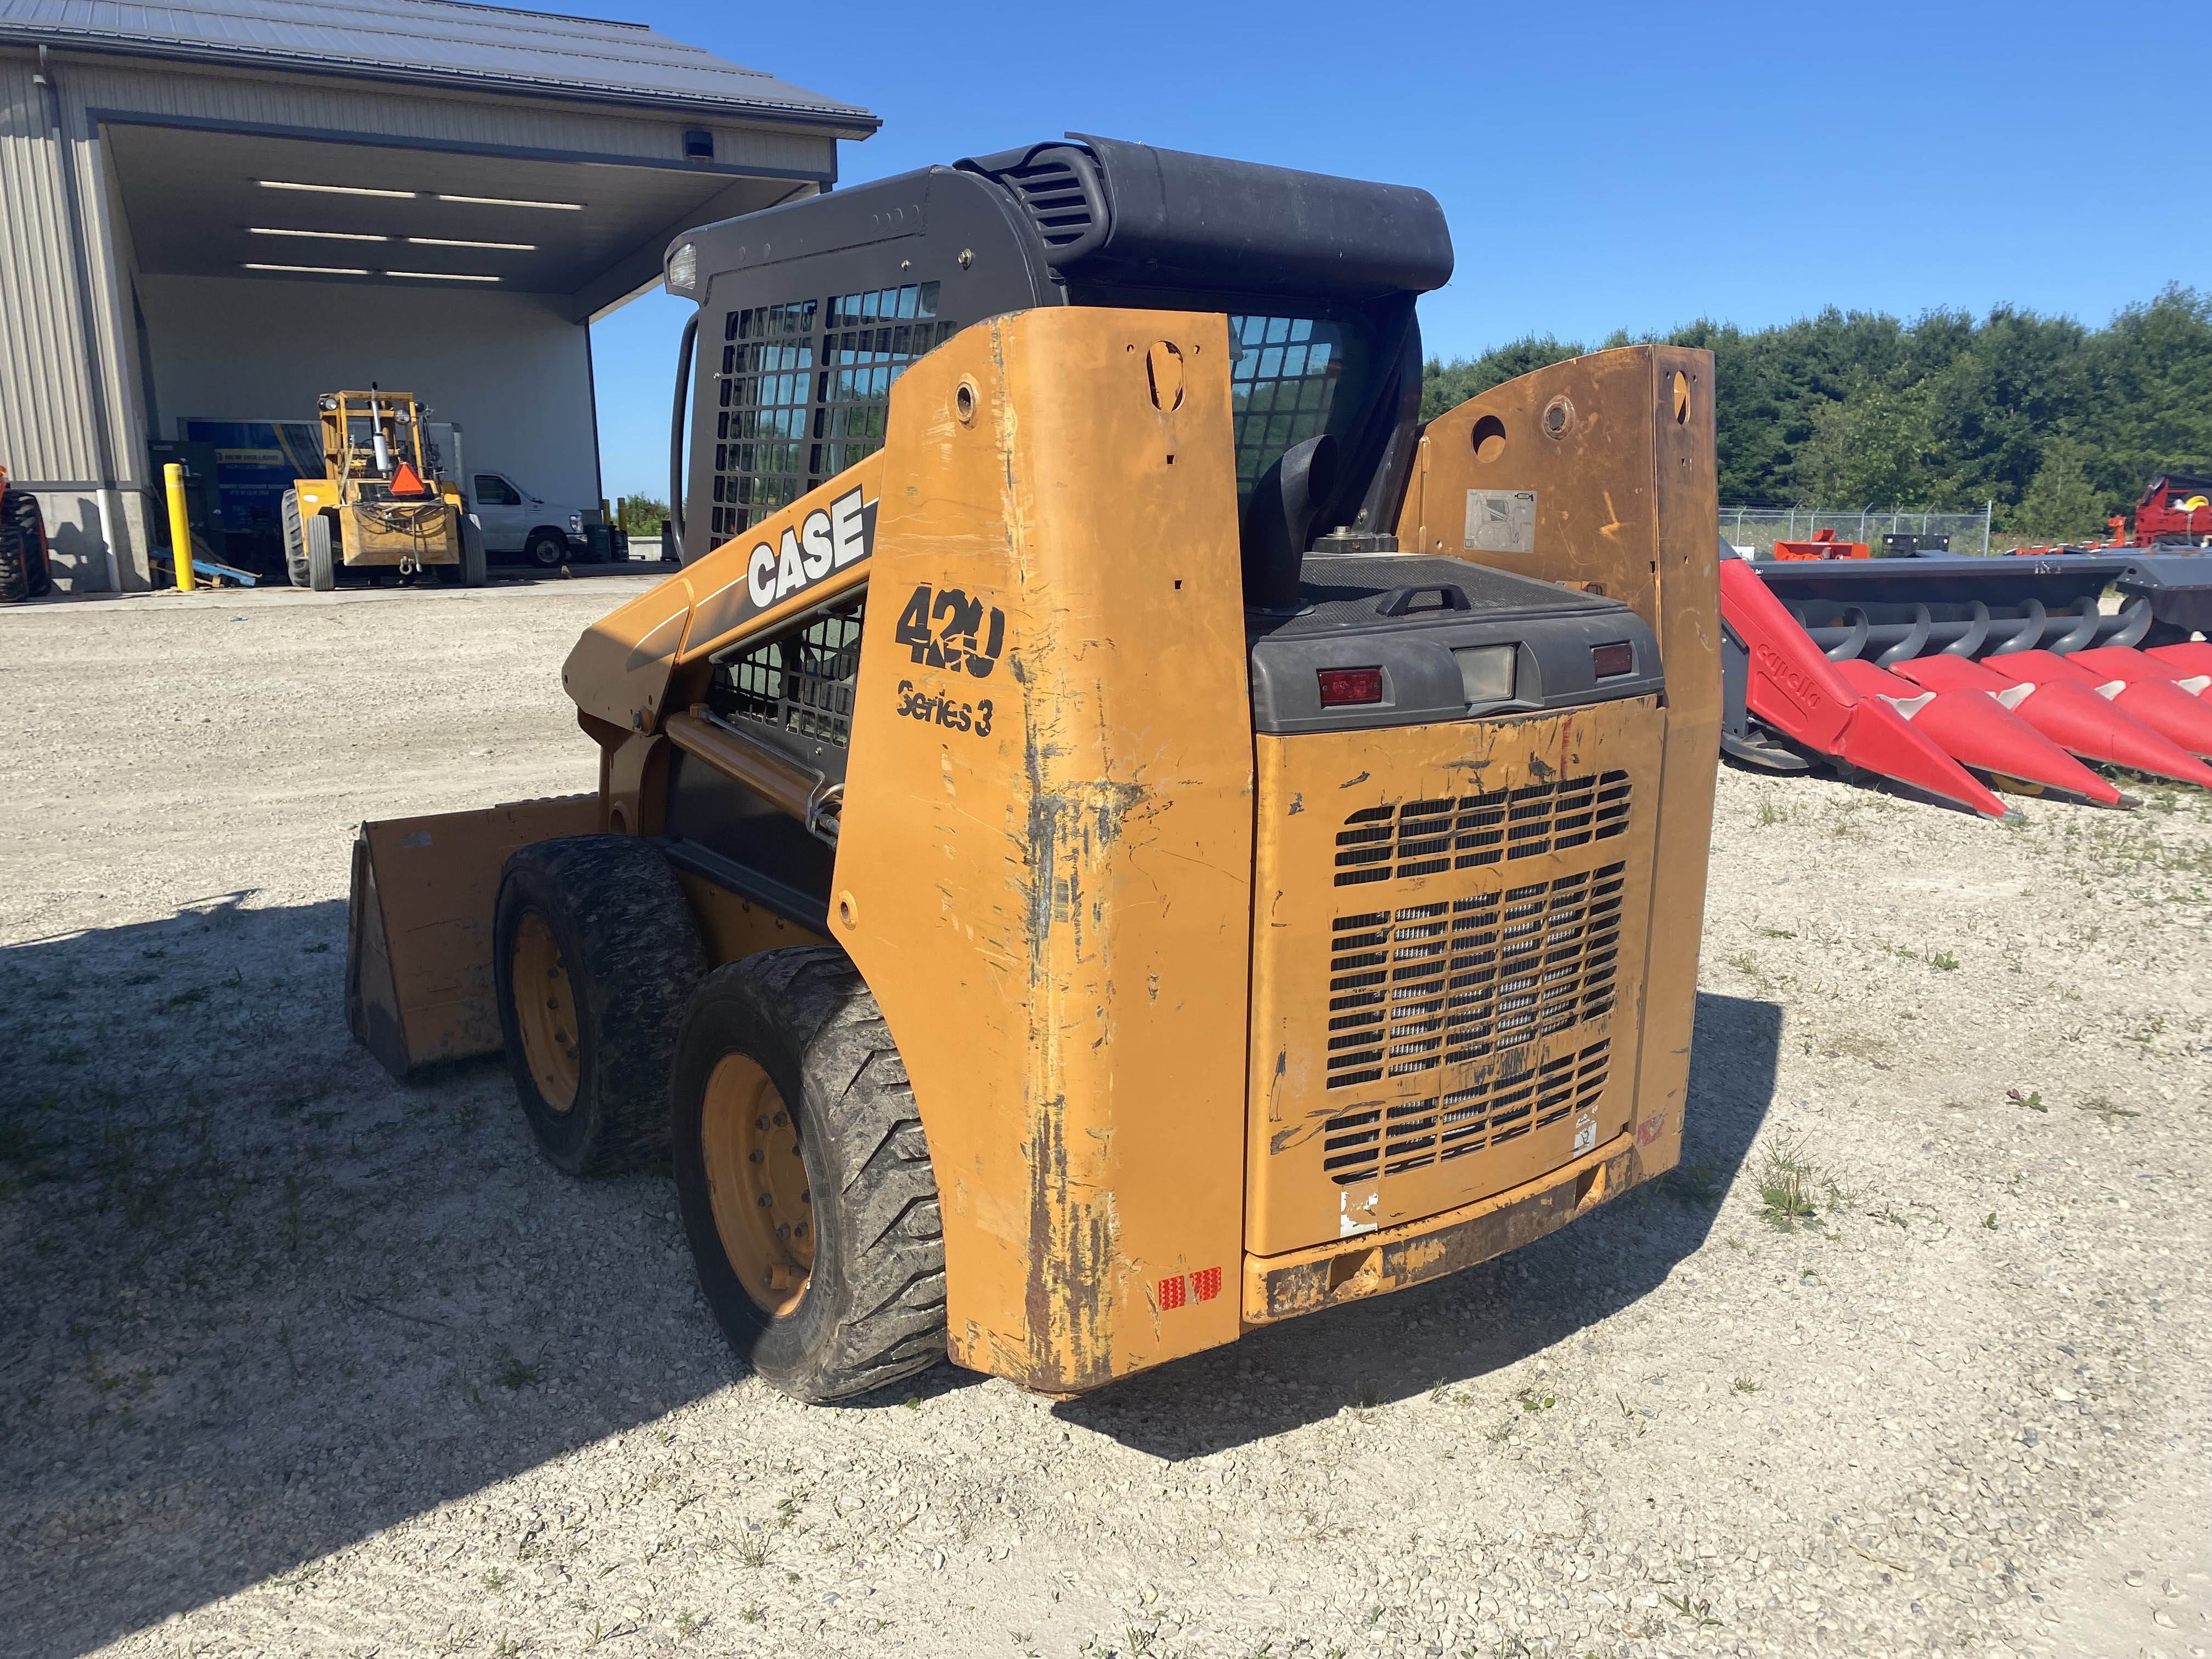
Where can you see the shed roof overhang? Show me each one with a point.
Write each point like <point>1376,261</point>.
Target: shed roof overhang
<point>211,199</point>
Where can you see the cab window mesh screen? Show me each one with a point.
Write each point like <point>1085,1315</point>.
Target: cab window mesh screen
<point>801,683</point>
<point>1282,379</point>
<point>803,389</point>
<point>766,394</point>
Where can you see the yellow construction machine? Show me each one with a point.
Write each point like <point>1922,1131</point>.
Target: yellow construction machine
<point>1119,835</point>
<point>380,507</point>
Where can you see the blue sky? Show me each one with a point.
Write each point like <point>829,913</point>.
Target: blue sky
<point>1602,166</point>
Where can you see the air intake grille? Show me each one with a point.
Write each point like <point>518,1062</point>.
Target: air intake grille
<point>1059,189</point>
<point>1427,837</point>
<point>1371,1140</point>
<point>1434,985</point>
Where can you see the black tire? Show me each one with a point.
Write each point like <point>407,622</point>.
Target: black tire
<point>872,1310</point>
<point>295,542</point>
<point>322,557</point>
<point>14,587</point>
<point>632,956</point>
<point>545,549</point>
<point>21,509</point>
<point>475,572</point>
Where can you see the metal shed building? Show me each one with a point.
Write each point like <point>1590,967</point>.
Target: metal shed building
<point>211,212</point>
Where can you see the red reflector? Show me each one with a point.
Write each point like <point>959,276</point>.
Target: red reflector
<point>1206,1284</point>
<point>1171,1292</point>
<point>1343,686</point>
<point>1608,660</point>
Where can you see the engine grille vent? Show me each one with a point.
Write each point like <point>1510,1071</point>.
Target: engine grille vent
<point>1426,837</point>
<point>1371,1140</point>
<point>1059,189</point>
<point>1439,984</point>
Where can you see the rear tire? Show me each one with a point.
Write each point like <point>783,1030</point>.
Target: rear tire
<point>322,560</point>
<point>594,952</point>
<point>545,551</point>
<point>14,587</point>
<point>786,1053</point>
<point>475,570</point>
<point>295,541</point>
<point>21,509</point>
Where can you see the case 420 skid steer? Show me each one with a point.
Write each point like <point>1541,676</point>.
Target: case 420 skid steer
<point>1119,835</point>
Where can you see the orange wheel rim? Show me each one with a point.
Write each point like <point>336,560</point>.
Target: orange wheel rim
<point>756,1182</point>
<point>546,1013</point>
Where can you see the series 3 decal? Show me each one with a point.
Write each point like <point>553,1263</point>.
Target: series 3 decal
<point>941,710</point>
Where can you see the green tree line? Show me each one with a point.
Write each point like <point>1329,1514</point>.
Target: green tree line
<point>2061,426</point>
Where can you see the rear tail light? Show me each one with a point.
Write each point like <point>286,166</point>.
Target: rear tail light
<point>1608,661</point>
<point>1339,686</point>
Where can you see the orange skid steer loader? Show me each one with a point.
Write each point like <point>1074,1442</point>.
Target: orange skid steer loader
<point>1119,835</point>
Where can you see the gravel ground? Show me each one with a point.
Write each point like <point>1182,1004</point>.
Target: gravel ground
<point>298,1361</point>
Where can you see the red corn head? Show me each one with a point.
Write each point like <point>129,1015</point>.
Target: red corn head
<point>2154,700</point>
<point>1976,729</point>
<point>2120,662</point>
<point>2065,709</point>
<point>1796,690</point>
<point>2190,663</point>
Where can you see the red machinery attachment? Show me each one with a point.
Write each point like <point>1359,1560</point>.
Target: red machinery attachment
<point>2151,698</point>
<point>2190,663</point>
<point>1976,729</point>
<point>1799,693</point>
<point>1824,545</point>
<point>2065,709</point>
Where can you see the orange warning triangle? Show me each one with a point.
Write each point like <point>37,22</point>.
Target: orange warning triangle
<point>408,482</point>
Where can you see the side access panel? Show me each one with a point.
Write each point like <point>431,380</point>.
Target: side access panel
<point>418,925</point>
<point>1044,862</point>
<point>1600,472</point>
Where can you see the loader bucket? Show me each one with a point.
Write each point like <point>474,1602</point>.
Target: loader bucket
<point>418,925</point>
<point>1981,733</point>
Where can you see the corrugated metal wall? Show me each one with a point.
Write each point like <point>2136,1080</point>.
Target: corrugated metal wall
<point>46,423</point>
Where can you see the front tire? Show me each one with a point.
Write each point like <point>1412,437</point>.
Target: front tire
<point>322,560</point>
<point>546,550</point>
<point>594,952</point>
<point>475,572</point>
<point>803,1177</point>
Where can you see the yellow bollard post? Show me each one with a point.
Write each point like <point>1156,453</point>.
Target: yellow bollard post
<point>180,528</point>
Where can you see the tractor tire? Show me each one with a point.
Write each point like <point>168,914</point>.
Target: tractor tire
<point>476,571</point>
<point>14,586</point>
<point>322,558</point>
<point>295,542</point>
<point>21,509</point>
<point>593,933</point>
<point>803,1179</point>
<point>545,549</point>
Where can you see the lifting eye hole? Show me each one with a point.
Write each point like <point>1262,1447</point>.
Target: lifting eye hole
<point>963,401</point>
<point>1164,373</point>
<point>1681,388</point>
<point>1558,416</point>
<point>1489,437</point>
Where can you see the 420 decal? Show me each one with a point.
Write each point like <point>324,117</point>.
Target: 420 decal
<point>946,629</point>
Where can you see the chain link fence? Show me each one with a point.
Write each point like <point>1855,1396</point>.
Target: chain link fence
<point>1755,530</point>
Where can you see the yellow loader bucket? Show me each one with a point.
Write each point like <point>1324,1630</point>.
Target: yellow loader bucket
<point>418,925</point>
